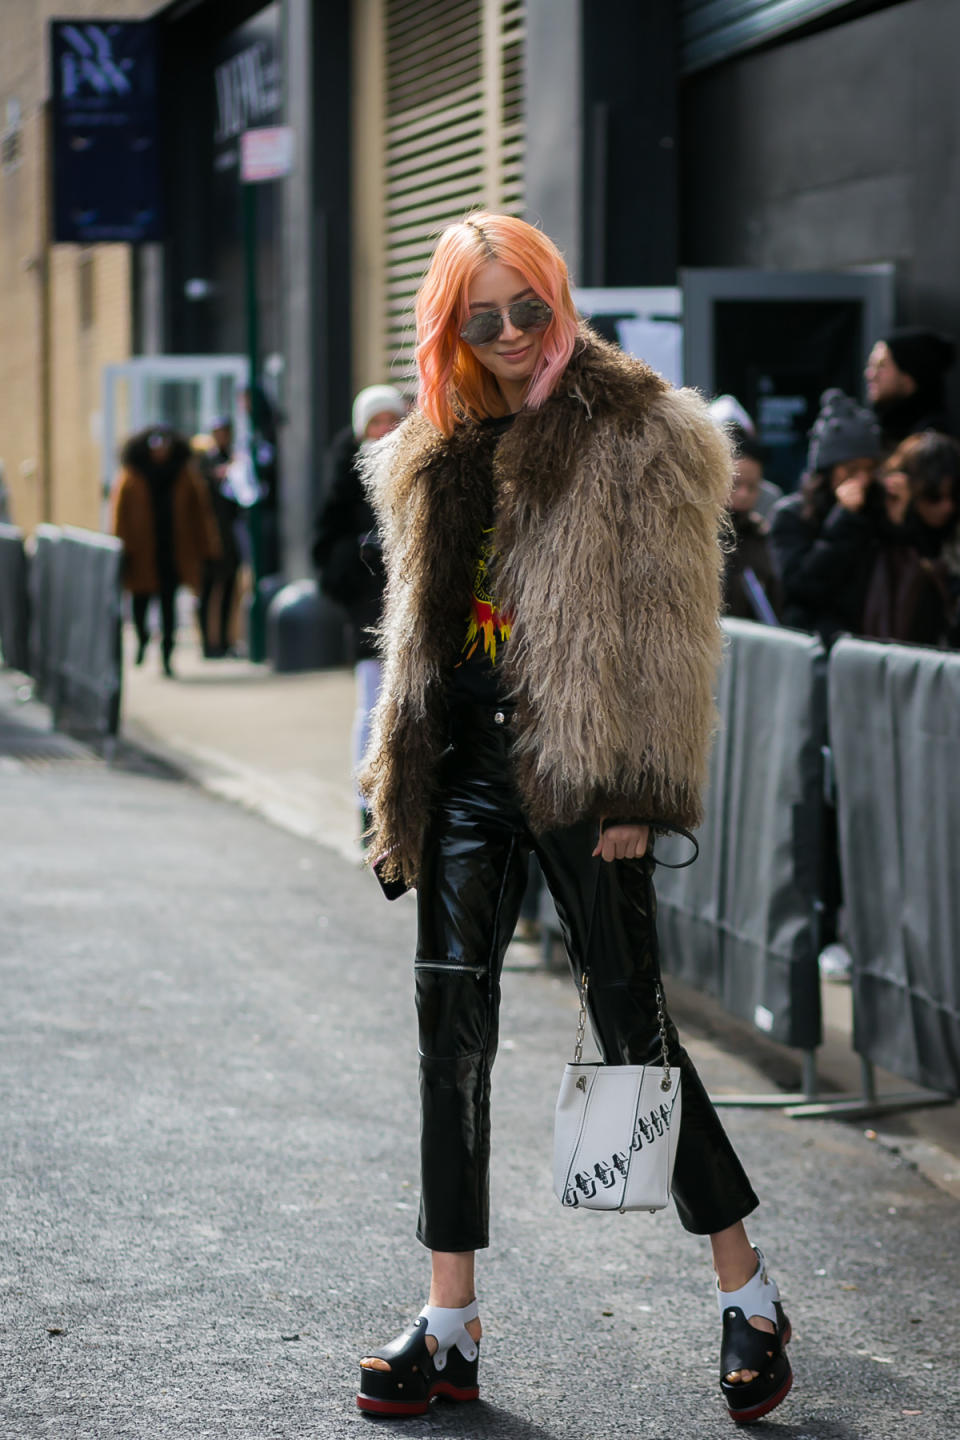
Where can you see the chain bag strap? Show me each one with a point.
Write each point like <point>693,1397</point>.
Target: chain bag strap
<point>661,1020</point>
<point>616,1126</point>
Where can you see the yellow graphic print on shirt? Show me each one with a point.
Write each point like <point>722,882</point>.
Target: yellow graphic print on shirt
<point>488,622</point>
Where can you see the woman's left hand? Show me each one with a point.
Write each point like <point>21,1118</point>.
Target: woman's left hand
<point>623,842</point>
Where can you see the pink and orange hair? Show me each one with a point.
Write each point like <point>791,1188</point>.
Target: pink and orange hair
<point>453,383</point>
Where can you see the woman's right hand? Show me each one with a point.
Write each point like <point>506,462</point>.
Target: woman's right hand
<point>851,494</point>
<point>622,842</point>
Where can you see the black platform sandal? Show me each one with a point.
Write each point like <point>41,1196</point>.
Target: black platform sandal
<point>415,1375</point>
<point>744,1347</point>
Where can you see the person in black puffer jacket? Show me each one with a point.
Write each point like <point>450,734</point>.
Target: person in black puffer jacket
<point>825,538</point>
<point>346,546</point>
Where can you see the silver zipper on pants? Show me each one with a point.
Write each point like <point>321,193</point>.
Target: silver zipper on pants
<point>441,965</point>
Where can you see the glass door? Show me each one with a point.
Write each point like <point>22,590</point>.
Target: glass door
<point>185,391</point>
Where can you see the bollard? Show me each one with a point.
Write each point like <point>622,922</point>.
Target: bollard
<point>305,631</point>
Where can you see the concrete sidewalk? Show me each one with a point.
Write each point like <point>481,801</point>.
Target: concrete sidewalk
<point>280,745</point>
<point>208,1163</point>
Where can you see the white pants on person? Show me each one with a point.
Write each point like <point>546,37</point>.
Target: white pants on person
<point>368,675</point>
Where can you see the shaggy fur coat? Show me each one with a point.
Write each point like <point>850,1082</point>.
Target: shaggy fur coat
<point>609,504</point>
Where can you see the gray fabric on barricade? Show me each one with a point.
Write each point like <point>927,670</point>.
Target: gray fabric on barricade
<point>744,922</point>
<point>690,901</point>
<point>41,583</point>
<point>75,616</point>
<point>895,733</point>
<point>13,598</point>
<point>88,626</point>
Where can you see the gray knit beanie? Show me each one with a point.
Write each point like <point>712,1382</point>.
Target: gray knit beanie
<point>842,431</point>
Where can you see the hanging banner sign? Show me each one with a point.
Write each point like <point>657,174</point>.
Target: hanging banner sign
<point>248,81</point>
<point>106,164</point>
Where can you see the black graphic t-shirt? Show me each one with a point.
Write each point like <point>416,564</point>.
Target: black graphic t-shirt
<point>475,677</point>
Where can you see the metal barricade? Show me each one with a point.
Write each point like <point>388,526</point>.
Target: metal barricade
<point>74,638</point>
<point>41,585</point>
<point>86,631</point>
<point>689,901</point>
<point>13,598</point>
<point>745,922</point>
<point>895,735</point>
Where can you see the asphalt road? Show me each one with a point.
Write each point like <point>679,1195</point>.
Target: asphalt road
<point>208,1167</point>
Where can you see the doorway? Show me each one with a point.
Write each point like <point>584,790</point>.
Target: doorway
<point>185,391</point>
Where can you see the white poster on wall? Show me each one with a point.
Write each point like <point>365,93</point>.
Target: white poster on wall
<point>646,321</point>
<point>659,342</point>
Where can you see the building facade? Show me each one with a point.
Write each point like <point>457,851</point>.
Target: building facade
<point>65,311</point>
<point>644,138</point>
<point>439,126</point>
<point>830,148</point>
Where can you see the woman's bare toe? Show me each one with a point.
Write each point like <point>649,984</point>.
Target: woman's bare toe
<point>743,1377</point>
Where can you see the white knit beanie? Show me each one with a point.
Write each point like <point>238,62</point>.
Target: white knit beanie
<point>727,410</point>
<point>371,401</point>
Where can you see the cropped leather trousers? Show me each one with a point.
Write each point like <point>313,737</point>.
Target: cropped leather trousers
<point>471,886</point>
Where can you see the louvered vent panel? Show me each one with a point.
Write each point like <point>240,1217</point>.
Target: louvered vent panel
<point>513,109</point>
<point>437,142</point>
<point>434,144</point>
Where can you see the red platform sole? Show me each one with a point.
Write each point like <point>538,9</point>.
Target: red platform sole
<point>416,1407</point>
<point>757,1412</point>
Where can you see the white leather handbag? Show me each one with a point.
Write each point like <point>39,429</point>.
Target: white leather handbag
<point>616,1129</point>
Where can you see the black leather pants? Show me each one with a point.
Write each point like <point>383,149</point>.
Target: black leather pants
<point>471,886</point>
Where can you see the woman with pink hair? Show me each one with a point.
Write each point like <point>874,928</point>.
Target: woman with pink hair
<point>550,518</point>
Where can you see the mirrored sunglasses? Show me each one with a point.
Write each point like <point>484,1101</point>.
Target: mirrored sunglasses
<point>485,327</point>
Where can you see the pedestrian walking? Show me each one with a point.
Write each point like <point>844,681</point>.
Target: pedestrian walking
<point>824,539</point>
<point>906,383</point>
<point>550,518</point>
<point>264,419</point>
<point>162,515</point>
<point>347,551</point>
<point>220,577</point>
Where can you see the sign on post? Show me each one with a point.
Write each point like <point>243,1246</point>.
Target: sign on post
<point>106,167</point>
<point>266,153</point>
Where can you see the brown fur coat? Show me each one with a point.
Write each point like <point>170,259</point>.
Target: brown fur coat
<point>195,537</point>
<point>609,503</point>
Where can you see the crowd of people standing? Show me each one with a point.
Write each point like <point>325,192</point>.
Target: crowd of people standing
<point>868,544</point>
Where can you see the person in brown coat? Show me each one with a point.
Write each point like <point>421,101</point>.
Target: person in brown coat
<point>163,516</point>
